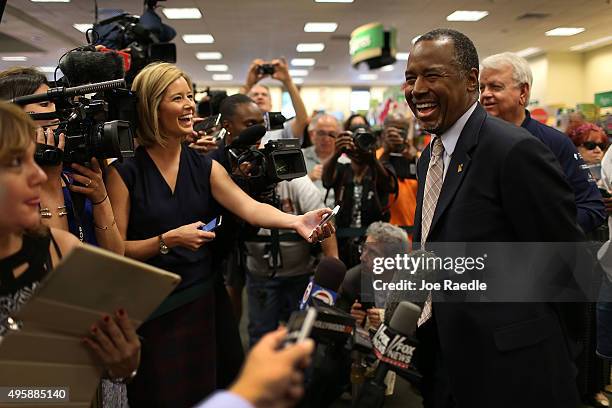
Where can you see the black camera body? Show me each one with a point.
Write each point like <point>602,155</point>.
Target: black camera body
<point>102,127</point>
<point>274,120</point>
<point>364,139</point>
<point>266,69</point>
<point>279,160</point>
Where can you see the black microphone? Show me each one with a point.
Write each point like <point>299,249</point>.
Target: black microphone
<point>249,136</point>
<point>393,346</point>
<point>325,283</point>
<point>63,92</point>
<point>88,66</point>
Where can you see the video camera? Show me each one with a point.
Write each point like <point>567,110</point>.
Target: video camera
<point>146,37</point>
<point>102,127</point>
<point>279,160</point>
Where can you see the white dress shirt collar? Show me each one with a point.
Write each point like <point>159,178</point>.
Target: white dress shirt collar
<point>451,136</point>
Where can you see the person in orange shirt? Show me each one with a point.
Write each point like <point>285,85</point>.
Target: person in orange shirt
<point>398,150</point>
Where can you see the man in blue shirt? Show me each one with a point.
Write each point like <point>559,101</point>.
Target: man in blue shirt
<point>505,83</point>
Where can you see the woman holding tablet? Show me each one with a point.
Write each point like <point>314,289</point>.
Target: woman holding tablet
<point>29,250</point>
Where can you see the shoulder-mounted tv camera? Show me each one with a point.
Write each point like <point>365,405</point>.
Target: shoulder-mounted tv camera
<point>102,127</point>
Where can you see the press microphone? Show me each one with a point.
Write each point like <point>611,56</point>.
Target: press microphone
<point>324,285</point>
<point>249,136</point>
<point>393,346</point>
<point>63,92</point>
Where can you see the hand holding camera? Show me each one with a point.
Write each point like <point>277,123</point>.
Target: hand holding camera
<point>394,140</point>
<point>45,140</point>
<point>276,69</point>
<point>90,182</point>
<point>344,142</point>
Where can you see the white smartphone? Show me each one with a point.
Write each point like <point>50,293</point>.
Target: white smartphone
<point>327,218</point>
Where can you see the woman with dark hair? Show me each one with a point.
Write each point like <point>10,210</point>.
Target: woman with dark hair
<point>91,219</point>
<point>162,197</point>
<point>28,251</point>
<point>356,120</point>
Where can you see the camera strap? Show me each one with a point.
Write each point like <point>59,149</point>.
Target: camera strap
<point>76,201</point>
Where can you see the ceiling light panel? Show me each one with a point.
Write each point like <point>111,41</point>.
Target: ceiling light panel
<point>213,55</point>
<point>303,62</point>
<point>310,47</point>
<point>186,13</point>
<point>216,67</point>
<point>368,77</point>
<point>198,39</point>
<point>298,72</point>
<point>320,27</point>
<point>16,58</point>
<point>222,77</point>
<point>467,15</point>
<point>564,31</point>
<point>590,44</point>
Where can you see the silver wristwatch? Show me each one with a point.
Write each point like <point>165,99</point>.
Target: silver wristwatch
<point>163,248</point>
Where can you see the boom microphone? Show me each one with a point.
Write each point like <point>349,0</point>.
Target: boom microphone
<point>89,66</point>
<point>249,136</point>
<point>325,283</point>
<point>63,92</point>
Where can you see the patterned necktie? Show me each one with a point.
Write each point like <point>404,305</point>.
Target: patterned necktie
<point>433,185</point>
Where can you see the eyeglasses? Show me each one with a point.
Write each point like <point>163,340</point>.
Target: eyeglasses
<point>322,133</point>
<point>593,145</point>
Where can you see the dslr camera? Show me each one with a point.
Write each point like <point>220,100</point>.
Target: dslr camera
<point>265,69</point>
<point>363,138</point>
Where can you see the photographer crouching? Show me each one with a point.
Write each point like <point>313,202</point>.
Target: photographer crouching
<point>361,188</point>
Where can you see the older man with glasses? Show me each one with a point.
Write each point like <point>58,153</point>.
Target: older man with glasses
<point>505,84</point>
<point>322,131</point>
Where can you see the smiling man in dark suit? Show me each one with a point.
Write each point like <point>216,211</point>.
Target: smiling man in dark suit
<point>484,180</point>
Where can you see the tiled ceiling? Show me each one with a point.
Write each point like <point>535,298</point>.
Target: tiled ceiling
<point>246,29</point>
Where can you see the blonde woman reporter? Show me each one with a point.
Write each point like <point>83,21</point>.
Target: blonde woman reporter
<point>161,197</point>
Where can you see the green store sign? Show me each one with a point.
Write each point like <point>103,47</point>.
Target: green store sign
<point>603,99</point>
<point>366,42</point>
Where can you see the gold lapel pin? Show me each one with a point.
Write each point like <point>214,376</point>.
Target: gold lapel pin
<point>460,168</point>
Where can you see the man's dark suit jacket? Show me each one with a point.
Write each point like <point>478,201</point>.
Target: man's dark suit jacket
<point>502,185</point>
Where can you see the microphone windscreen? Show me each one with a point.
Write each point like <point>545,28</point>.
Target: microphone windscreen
<point>86,67</point>
<point>404,320</point>
<point>250,136</point>
<point>394,297</point>
<point>330,273</point>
